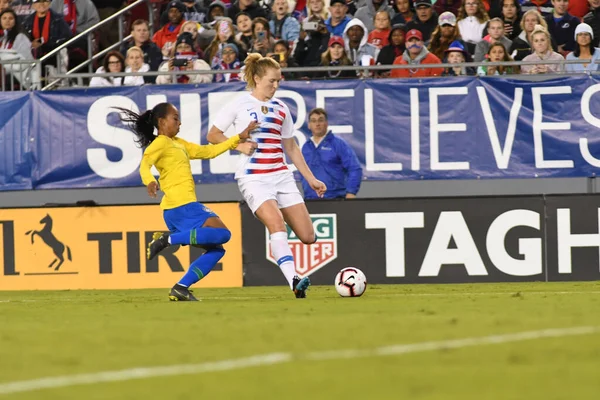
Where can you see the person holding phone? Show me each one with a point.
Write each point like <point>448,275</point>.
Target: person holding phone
<point>262,42</point>
<point>281,54</point>
<point>312,43</point>
<point>184,59</point>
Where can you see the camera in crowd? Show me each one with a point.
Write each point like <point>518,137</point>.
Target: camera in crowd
<point>309,26</point>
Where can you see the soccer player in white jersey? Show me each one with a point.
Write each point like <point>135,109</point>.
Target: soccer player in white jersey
<point>265,181</point>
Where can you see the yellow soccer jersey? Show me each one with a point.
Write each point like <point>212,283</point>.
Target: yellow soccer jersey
<point>172,156</point>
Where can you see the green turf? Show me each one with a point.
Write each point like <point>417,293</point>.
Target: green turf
<point>46,334</point>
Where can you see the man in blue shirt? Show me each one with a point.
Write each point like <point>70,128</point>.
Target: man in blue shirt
<point>338,20</point>
<point>330,159</point>
<point>561,26</point>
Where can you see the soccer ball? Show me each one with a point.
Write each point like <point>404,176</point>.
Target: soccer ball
<point>350,282</point>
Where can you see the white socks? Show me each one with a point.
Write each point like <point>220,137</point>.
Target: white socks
<point>283,255</point>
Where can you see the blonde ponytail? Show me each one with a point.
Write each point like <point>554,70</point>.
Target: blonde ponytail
<point>257,65</point>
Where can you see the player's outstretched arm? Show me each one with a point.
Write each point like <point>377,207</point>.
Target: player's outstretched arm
<point>208,151</point>
<point>295,154</point>
<point>215,136</point>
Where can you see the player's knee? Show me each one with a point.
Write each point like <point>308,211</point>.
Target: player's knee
<point>224,235</point>
<point>308,238</point>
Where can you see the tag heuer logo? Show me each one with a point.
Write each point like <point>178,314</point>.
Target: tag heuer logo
<point>309,258</point>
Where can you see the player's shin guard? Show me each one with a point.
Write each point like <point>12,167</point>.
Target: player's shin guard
<point>201,236</point>
<point>202,266</point>
<point>283,255</point>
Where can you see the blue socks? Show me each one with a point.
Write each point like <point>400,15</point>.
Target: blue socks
<point>201,236</point>
<point>206,262</point>
<point>202,266</point>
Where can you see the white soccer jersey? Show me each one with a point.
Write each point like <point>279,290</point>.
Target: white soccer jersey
<point>275,124</point>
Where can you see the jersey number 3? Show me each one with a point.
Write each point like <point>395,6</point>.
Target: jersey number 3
<point>254,116</point>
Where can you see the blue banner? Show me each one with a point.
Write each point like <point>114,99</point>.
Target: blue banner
<point>465,128</point>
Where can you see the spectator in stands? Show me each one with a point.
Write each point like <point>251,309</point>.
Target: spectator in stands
<point>336,56</point>
<point>207,32</point>
<point>416,54</point>
<point>311,45</point>
<point>542,52</point>
<point>193,12</point>
<point>317,7</point>
<point>561,26</point>
<point>262,41</point>
<point>404,12</point>
<point>78,14</point>
<point>216,9</point>
<point>140,33</point>
<point>353,6</point>
<point>583,51</point>
<point>592,18</point>
<point>456,54</point>
<point>13,38</point>
<point>495,34</point>
<point>578,8</point>
<point>113,63</point>
<point>521,46</point>
<point>184,50</point>
<point>46,29</point>
<point>109,32</point>
<point>281,54</point>
<point>472,20</point>
<point>5,4</point>
<point>224,35</point>
<point>192,27</point>
<point>336,24</point>
<point>282,24</point>
<point>14,45</point>
<point>544,7</point>
<point>135,63</point>
<point>426,20</point>
<point>359,51</point>
<point>442,6</point>
<point>445,33</point>
<point>248,6</point>
<point>244,25</point>
<point>166,37</point>
<point>493,8</point>
<point>497,53</point>
<point>367,13</point>
<point>229,59</point>
<point>379,37</point>
<point>331,160</point>
<point>297,8</point>
<point>511,15</point>
<point>395,49</point>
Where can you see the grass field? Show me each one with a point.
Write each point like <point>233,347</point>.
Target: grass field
<point>260,343</point>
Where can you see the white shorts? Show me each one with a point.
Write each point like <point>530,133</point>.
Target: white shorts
<point>279,187</point>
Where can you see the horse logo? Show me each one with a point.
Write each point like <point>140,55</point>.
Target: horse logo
<point>51,241</point>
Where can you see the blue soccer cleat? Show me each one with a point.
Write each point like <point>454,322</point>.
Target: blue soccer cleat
<point>300,286</point>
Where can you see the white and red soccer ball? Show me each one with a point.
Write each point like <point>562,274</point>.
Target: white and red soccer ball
<point>350,282</point>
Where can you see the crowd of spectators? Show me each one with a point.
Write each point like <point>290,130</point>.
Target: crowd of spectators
<point>203,35</point>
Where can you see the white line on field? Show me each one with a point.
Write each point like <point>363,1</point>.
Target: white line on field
<point>281,358</point>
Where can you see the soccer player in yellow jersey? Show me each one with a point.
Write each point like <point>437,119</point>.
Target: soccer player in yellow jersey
<point>189,222</point>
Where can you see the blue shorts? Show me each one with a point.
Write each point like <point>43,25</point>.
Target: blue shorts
<point>187,217</point>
